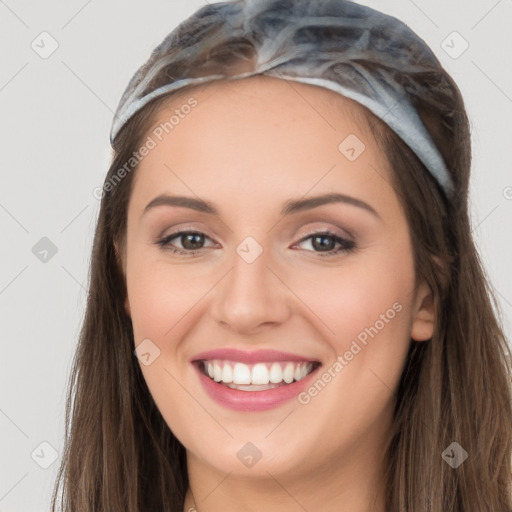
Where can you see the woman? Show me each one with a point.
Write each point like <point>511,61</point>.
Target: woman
<point>286,307</point>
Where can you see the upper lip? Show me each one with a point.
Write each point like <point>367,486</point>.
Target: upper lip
<point>255,356</point>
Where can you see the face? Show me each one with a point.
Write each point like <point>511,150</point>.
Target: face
<point>308,304</point>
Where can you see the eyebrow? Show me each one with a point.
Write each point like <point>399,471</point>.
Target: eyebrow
<point>292,206</point>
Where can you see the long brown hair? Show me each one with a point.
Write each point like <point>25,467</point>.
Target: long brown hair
<point>456,387</point>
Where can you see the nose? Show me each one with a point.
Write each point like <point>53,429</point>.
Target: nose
<point>252,296</point>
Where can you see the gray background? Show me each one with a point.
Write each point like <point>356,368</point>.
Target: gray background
<point>55,121</point>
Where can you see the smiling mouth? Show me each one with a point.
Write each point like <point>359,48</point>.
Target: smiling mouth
<point>256,377</point>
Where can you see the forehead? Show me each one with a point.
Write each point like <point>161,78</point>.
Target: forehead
<point>260,135</point>
<point>253,110</point>
<point>283,94</point>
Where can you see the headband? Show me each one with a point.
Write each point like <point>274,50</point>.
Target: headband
<point>348,48</point>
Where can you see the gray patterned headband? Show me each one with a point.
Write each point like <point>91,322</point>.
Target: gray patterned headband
<point>327,43</point>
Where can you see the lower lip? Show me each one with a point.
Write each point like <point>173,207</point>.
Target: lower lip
<point>253,400</point>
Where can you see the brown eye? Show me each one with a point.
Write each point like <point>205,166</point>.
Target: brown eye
<point>325,242</point>
<point>191,242</point>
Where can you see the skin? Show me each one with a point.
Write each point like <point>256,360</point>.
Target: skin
<point>248,147</point>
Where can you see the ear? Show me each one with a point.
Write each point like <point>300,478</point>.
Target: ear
<point>120,262</point>
<point>423,322</point>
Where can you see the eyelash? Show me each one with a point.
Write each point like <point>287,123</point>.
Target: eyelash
<point>346,245</point>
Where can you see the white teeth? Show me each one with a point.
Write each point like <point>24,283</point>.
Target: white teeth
<point>227,373</point>
<point>288,373</point>
<point>254,387</point>
<point>261,375</point>
<point>276,373</point>
<point>241,374</point>
<point>217,371</point>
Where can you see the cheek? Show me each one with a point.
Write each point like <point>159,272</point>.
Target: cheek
<point>162,299</point>
<point>371,291</point>
<point>354,393</point>
<point>160,295</point>
<point>365,310</point>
